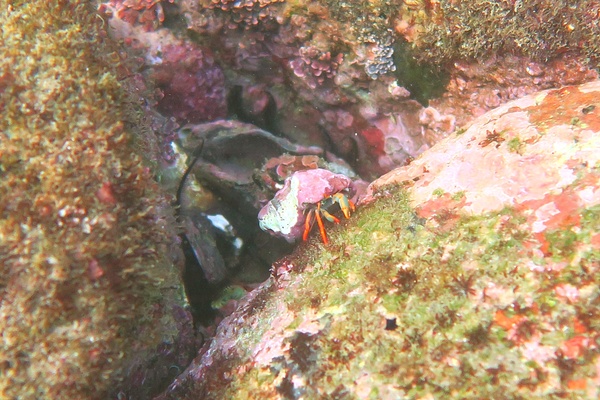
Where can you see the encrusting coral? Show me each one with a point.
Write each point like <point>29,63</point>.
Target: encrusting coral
<point>353,76</point>
<point>83,227</point>
<point>191,84</point>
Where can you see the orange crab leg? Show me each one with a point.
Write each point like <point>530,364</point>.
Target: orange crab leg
<point>321,226</point>
<point>308,223</point>
<point>346,205</point>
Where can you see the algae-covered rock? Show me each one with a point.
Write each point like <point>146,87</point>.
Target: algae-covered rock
<point>90,305</point>
<point>471,273</point>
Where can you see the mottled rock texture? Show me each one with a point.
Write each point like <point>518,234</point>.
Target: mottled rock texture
<point>90,304</point>
<point>470,273</point>
<point>375,82</point>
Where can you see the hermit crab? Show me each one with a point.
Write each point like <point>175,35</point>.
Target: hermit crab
<point>307,196</point>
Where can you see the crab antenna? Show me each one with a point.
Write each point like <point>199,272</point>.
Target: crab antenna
<point>196,155</point>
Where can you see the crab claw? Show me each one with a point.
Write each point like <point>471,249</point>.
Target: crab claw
<point>330,217</point>
<point>345,204</point>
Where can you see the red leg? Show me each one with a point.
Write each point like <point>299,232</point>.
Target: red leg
<point>321,226</point>
<point>308,223</point>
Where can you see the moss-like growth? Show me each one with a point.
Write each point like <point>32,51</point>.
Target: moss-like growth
<point>541,29</point>
<point>515,145</point>
<point>369,19</point>
<point>424,82</point>
<point>448,306</point>
<point>83,281</point>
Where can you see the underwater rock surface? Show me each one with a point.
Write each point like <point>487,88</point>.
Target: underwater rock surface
<point>91,303</point>
<point>238,170</point>
<point>470,273</point>
<point>374,82</point>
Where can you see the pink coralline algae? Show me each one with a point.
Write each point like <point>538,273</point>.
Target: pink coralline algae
<point>246,13</point>
<point>277,169</point>
<point>522,159</point>
<point>479,86</point>
<point>192,84</point>
<point>315,66</point>
<point>284,216</point>
<point>147,13</point>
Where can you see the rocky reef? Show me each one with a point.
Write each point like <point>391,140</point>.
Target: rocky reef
<point>91,303</point>
<point>375,83</point>
<point>379,82</point>
<point>470,273</point>
<point>540,29</point>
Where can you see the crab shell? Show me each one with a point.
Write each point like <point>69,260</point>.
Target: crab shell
<point>284,215</point>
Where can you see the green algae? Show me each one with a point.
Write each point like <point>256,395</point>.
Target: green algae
<point>515,145</point>
<point>84,276</point>
<point>541,29</point>
<point>437,307</point>
<point>424,82</point>
<point>369,19</point>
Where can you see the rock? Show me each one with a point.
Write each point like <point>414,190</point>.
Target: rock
<point>519,152</point>
<point>232,153</point>
<point>239,168</point>
<point>91,304</point>
<point>349,77</point>
<point>470,273</point>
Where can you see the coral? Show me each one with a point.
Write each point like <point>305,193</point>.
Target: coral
<point>192,84</point>
<point>470,273</point>
<point>91,304</point>
<point>369,21</point>
<point>380,60</point>
<point>245,13</point>
<point>294,64</point>
<point>316,64</point>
